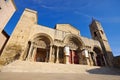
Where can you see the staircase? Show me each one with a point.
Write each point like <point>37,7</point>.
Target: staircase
<point>26,66</point>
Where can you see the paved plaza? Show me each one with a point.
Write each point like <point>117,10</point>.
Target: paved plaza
<point>23,70</point>
<point>56,76</point>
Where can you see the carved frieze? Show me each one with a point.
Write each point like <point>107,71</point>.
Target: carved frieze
<point>72,45</point>
<point>40,44</point>
<point>58,42</point>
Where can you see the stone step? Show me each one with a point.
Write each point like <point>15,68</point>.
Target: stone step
<point>26,66</point>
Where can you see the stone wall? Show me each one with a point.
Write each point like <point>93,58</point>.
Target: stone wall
<point>3,40</point>
<point>7,9</point>
<point>20,36</point>
<point>90,43</point>
<point>117,61</point>
<point>67,28</point>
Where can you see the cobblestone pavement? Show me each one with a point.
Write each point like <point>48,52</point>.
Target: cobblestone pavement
<point>56,76</point>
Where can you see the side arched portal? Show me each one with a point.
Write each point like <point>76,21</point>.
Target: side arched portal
<point>40,47</point>
<point>100,60</point>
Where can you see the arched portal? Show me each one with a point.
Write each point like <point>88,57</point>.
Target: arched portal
<point>40,47</point>
<point>75,45</point>
<point>100,60</point>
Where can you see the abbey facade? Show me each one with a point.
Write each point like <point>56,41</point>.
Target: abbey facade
<point>63,44</point>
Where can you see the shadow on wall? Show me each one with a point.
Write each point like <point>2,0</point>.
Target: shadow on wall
<point>105,71</point>
<point>117,62</point>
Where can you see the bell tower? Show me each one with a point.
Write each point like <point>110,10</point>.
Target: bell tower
<point>98,33</point>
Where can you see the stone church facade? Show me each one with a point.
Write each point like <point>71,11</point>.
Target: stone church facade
<point>63,44</point>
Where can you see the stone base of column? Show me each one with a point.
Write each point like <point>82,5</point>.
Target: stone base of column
<point>51,61</point>
<point>66,59</point>
<point>57,61</point>
<point>21,58</point>
<point>88,62</point>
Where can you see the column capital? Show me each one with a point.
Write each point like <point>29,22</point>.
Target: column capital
<point>57,61</point>
<point>51,45</point>
<point>50,54</point>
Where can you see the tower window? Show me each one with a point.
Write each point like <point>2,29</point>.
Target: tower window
<point>95,34</point>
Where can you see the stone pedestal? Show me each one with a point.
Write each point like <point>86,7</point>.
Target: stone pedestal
<point>85,52</point>
<point>66,59</point>
<point>67,55</point>
<point>88,61</point>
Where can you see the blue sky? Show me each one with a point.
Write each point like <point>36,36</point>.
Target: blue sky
<point>78,13</point>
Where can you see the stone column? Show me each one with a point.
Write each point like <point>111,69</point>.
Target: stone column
<point>34,53</point>
<point>67,59</point>
<point>91,60</point>
<point>67,55</point>
<point>47,55</point>
<point>30,52</point>
<point>73,54</point>
<point>105,60</point>
<point>53,55</point>
<point>87,56</point>
<point>95,58</point>
<point>50,55</point>
<point>57,59</point>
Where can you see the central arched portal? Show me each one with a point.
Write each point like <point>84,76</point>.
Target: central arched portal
<point>75,45</point>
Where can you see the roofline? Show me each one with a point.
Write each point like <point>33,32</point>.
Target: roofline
<point>94,20</point>
<point>33,12</point>
<point>30,10</point>
<point>69,25</point>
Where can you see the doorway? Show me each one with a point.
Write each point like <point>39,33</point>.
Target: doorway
<point>74,57</point>
<point>41,55</point>
<point>99,57</point>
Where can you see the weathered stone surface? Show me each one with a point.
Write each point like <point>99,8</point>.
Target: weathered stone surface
<point>3,40</point>
<point>117,61</point>
<point>7,10</point>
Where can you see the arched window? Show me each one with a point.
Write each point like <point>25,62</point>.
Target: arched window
<point>95,34</point>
